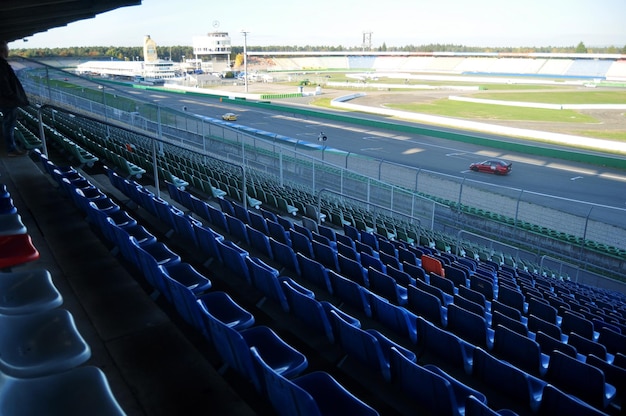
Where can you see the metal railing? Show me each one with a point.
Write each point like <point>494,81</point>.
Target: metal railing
<point>382,184</point>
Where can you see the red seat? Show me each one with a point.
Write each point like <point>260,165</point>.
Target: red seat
<point>16,249</point>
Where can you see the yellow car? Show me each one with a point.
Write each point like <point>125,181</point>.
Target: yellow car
<point>229,117</point>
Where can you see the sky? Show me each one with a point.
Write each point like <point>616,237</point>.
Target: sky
<point>486,23</point>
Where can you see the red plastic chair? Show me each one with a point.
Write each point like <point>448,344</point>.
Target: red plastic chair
<point>16,249</point>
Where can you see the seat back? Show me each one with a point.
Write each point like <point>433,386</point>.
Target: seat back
<point>352,269</point>
<point>384,285</point>
<point>431,392</point>
<point>393,317</point>
<point>573,323</point>
<point>556,402</point>
<point>350,293</point>
<point>536,324</point>
<point>308,309</point>
<point>234,258</point>
<point>301,243</point>
<point>445,345</point>
<point>284,255</point>
<point>432,265</point>
<point>586,346</point>
<point>511,297</point>
<point>260,241</point>
<point>467,325</point>
<point>362,345</point>
<point>326,255</point>
<point>314,272</point>
<point>265,278</point>
<point>578,378</point>
<point>426,305</point>
<point>506,379</point>
<point>517,349</point>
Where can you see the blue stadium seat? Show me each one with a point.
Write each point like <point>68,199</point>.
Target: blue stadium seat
<point>368,260</point>
<point>314,272</point>
<point>572,322</point>
<point>393,317</point>
<point>234,258</point>
<point>365,347</point>
<point>308,309</point>
<point>260,241</point>
<point>469,326</point>
<point>207,242</point>
<point>430,390</point>
<point>222,307</point>
<point>401,277</point>
<point>350,293</point>
<point>499,319</point>
<point>313,394</point>
<point>586,346</point>
<point>556,402</point>
<point>28,291</point>
<point>40,344</point>
<point>613,341</point>
<point>384,285</point>
<point>237,230</point>
<point>352,270</point>
<point>507,379</point>
<point>474,407</point>
<point>536,324</point>
<point>326,255</point>
<point>79,391</point>
<point>445,345</point>
<point>542,309</point>
<point>301,243</point>
<point>520,351</point>
<point>266,279</point>
<point>285,256</point>
<point>234,348</point>
<point>426,305</point>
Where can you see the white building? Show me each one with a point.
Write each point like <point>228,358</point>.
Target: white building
<point>212,51</point>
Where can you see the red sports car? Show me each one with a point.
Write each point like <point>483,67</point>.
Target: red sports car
<point>499,167</point>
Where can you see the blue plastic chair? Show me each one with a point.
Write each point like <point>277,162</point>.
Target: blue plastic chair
<point>520,351</point>
<point>313,394</point>
<point>301,243</point>
<point>234,258</point>
<point>430,390</point>
<point>426,305</point>
<point>474,407</point>
<point>79,391</point>
<point>507,379</point>
<point>572,322</point>
<point>266,279</point>
<point>350,293</point>
<point>325,254</point>
<point>28,291</point>
<point>207,242</point>
<point>40,343</point>
<point>365,347</point>
<point>260,242</point>
<point>393,317</point>
<point>308,309</point>
<point>384,285</point>
<point>580,379</point>
<point>352,269</point>
<point>469,326</point>
<point>445,345</point>
<point>234,348</point>
<point>556,402</point>
<point>285,256</point>
<point>314,272</point>
<point>222,307</point>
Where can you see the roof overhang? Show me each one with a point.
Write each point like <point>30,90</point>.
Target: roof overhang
<point>23,18</point>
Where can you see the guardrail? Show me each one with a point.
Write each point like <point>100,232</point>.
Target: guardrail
<point>586,234</point>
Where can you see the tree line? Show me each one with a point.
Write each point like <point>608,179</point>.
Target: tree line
<point>176,53</point>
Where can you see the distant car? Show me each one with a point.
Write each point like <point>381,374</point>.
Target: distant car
<point>229,117</point>
<point>498,167</point>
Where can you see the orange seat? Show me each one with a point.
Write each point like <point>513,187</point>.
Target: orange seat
<point>432,265</point>
<point>16,249</point>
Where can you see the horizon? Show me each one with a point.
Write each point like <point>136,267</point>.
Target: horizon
<point>533,23</point>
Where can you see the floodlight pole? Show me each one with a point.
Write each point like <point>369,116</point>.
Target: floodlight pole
<point>245,58</point>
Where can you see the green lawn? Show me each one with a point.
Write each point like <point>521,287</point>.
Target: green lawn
<point>560,97</point>
<point>460,109</point>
